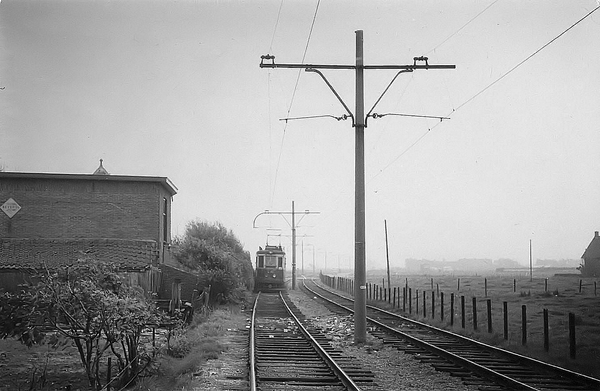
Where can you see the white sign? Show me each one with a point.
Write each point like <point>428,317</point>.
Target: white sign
<point>10,207</point>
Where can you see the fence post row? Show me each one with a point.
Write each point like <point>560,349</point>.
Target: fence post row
<point>392,295</point>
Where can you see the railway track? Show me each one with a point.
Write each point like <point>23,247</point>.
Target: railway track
<point>287,353</point>
<point>488,367</point>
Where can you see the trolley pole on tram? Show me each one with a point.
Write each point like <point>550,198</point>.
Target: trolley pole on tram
<point>359,122</point>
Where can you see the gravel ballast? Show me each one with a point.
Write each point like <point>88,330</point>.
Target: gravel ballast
<point>393,369</point>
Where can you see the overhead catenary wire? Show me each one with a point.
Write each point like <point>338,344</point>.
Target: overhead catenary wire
<point>312,25</point>
<point>275,28</point>
<point>462,27</point>
<point>483,90</point>
<point>442,43</point>
<point>525,60</point>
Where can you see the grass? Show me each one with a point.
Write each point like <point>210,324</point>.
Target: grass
<point>560,295</point>
<point>190,349</point>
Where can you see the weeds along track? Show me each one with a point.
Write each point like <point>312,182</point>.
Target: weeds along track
<point>488,367</point>
<point>287,353</point>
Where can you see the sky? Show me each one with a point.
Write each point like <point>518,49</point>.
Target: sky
<point>174,88</point>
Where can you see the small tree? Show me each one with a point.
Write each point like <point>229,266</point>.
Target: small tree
<point>89,304</point>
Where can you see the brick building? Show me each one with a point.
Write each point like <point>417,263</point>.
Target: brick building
<point>57,219</point>
<point>591,258</point>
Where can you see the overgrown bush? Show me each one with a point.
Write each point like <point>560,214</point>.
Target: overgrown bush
<point>219,258</point>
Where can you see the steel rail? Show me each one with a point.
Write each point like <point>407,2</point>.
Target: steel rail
<point>252,372</point>
<point>463,361</point>
<point>340,373</point>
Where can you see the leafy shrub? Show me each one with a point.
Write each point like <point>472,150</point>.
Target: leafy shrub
<point>218,257</point>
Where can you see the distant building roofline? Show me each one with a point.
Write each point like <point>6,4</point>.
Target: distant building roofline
<point>91,177</point>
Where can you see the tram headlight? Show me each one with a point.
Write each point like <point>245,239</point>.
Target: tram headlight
<point>274,275</point>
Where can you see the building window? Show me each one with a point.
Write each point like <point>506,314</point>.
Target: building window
<point>165,221</point>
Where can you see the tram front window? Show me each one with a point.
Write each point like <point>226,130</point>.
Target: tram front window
<point>271,261</point>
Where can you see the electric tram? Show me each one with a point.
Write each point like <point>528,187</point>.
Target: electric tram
<point>269,272</point>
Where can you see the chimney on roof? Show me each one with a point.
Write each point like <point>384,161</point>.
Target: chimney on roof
<point>596,233</point>
<point>101,170</point>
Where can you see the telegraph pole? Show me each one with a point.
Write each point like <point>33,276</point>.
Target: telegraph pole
<point>293,248</point>
<point>359,121</point>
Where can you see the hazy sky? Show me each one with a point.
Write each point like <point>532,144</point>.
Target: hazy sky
<point>174,88</point>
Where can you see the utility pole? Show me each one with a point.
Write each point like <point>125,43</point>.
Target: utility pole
<point>303,257</point>
<point>359,122</point>
<point>293,225</point>
<point>530,263</point>
<point>387,255</point>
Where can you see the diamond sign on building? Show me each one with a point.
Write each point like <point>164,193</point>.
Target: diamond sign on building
<point>10,207</point>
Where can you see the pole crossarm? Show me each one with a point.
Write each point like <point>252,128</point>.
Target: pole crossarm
<point>334,66</point>
<point>270,212</point>
<point>351,67</point>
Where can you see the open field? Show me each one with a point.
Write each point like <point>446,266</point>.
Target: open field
<point>559,294</point>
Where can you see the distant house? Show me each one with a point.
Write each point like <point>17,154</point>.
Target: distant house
<point>57,219</point>
<point>591,258</point>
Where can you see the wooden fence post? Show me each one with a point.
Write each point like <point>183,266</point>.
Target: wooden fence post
<point>505,313</point>
<point>572,346</point>
<point>485,286</point>
<point>417,302</point>
<point>489,315</point>
<point>523,325</point>
<point>404,299</point>
<point>458,284</point>
<point>580,285</point>
<point>442,306</point>
<point>514,284</point>
<point>424,304</point>
<point>546,337</point>
<point>474,313</point>
<point>451,309</point>
<point>108,374</point>
<point>410,300</point>
<point>432,305</point>
<point>462,307</point>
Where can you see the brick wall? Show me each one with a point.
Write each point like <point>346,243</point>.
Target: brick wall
<point>75,208</point>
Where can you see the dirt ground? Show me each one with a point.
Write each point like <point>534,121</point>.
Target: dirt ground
<point>39,368</point>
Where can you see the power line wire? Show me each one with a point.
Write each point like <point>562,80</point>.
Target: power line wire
<point>275,28</point>
<point>526,59</point>
<point>462,27</point>
<point>304,56</point>
<point>485,89</point>
<point>312,25</point>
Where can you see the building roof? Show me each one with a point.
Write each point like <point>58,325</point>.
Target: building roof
<point>164,181</point>
<point>593,249</point>
<point>16,254</point>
